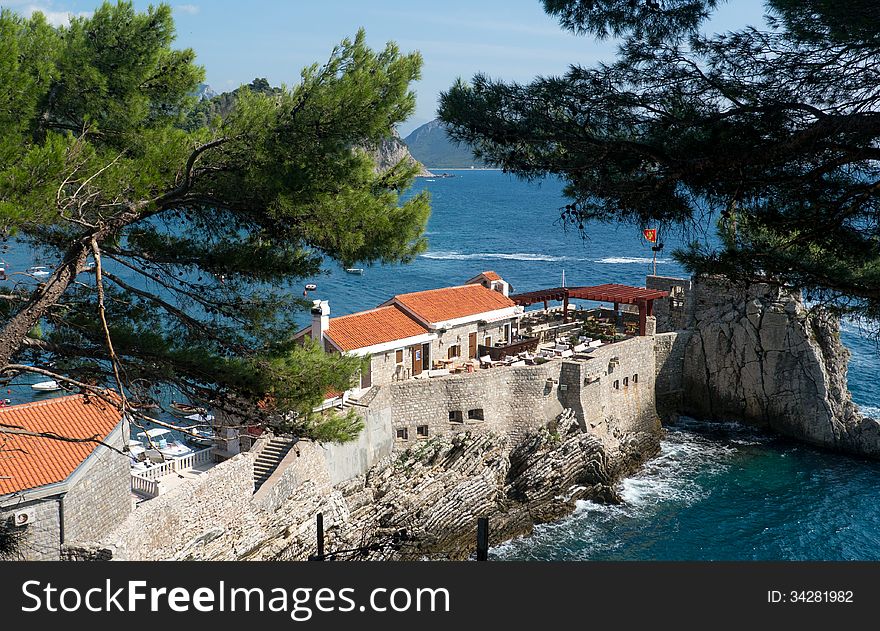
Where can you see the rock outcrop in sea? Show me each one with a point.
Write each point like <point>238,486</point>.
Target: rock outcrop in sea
<point>759,355</point>
<point>391,151</point>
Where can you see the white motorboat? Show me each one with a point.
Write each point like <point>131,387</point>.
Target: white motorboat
<point>198,435</point>
<point>163,444</point>
<point>354,270</point>
<point>136,452</point>
<point>46,386</point>
<point>39,271</point>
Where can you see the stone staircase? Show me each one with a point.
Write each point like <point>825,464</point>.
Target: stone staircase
<point>269,459</point>
<point>363,400</point>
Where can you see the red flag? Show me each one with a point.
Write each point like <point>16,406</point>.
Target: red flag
<point>651,234</point>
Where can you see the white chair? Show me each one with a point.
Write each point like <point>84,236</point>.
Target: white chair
<point>566,353</point>
<point>486,361</point>
<point>580,348</point>
<point>595,343</point>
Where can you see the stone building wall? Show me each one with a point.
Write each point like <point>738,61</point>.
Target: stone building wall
<point>669,358</point>
<point>674,313</point>
<point>42,541</point>
<point>188,515</point>
<point>99,497</point>
<point>91,502</point>
<point>504,396</point>
<point>376,441</point>
<point>616,385</point>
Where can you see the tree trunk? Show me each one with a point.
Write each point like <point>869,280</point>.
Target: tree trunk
<point>17,328</point>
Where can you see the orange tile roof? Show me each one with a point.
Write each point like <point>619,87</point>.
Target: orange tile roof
<point>377,326</point>
<point>490,275</point>
<point>27,462</point>
<point>447,303</point>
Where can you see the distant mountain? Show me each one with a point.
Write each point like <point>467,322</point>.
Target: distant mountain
<point>204,91</point>
<point>391,151</point>
<point>430,145</point>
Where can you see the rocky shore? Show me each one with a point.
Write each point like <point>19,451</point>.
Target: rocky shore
<point>424,502</point>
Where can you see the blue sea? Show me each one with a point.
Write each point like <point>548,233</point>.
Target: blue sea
<point>717,491</point>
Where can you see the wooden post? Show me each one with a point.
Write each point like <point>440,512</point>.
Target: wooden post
<point>643,321</point>
<point>565,308</point>
<point>319,519</point>
<point>482,539</point>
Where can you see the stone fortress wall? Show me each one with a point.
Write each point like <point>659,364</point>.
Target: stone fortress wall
<point>719,352</point>
<point>218,516</point>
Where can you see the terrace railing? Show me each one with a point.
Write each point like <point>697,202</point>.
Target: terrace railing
<point>145,482</point>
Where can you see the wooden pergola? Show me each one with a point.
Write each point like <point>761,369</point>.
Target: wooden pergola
<point>617,294</point>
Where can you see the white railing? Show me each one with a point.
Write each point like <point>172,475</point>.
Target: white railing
<point>145,481</point>
<point>144,486</point>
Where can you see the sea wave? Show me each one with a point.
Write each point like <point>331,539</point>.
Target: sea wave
<point>623,260</point>
<point>490,256</point>
<point>680,475</point>
<point>871,411</point>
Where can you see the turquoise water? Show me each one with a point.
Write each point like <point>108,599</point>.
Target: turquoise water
<point>715,492</point>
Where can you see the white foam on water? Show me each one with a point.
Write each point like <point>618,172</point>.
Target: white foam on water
<point>871,411</point>
<point>623,260</point>
<point>490,256</point>
<point>681,474</point>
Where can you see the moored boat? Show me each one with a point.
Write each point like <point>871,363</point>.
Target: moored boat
<point>38,271</point>
<point>159,444</point>
<point>46,386</point>
<point>186,409</point>
<point>354,270</point>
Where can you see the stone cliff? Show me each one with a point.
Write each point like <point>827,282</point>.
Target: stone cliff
<point>391,151</point>
<point>758,355</point>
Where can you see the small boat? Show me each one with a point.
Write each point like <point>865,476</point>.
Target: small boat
<point>185,409</point>
<point>163,445</point>
<point>143,405</point>
<point>38,271</point>
<point>46,386</point>
<point>136,451</point>
<point>311,287</point>
<point>201,437</point>
<point>354,270</point>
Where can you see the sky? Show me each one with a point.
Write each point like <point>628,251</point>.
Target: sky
<point>239,40</point>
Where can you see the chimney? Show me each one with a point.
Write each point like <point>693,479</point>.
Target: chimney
<point>501,286</point>
<point>320,320</point>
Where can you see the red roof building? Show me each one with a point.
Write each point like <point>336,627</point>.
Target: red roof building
<point>28,462</point>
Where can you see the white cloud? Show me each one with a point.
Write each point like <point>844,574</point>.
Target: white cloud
<point>55,18</point>
<point>191,9</point>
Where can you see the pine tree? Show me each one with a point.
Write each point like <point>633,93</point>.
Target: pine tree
<point>771,131</point>
<point>180,246</point>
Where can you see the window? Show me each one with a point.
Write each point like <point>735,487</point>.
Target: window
<point>636,378</point>
<point>487,341</point>
<point>402,433</point>
<point>625,382</point>
<point>422,431</point>
<point>453,352</point>
<point>398,356</point>
<point>610,368</point>
<point>455,416</point>
<point>616,385</point>
<point>476,414</point>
